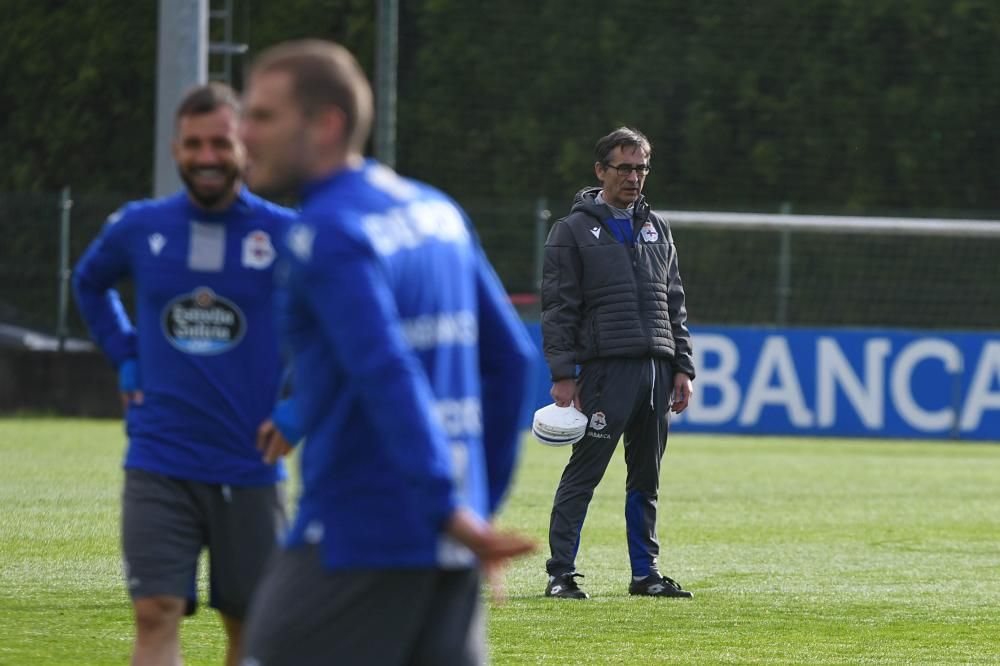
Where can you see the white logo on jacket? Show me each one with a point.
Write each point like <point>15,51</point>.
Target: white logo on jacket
<point>649,233</point>
<point>156,243</point>
<point>596,231</point>
<point>437,330</point>
<point>314,532</point>
<point>300,241</point>
<point>410,226</point>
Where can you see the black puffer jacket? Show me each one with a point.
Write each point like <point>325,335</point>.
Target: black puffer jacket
<point>602,299</point>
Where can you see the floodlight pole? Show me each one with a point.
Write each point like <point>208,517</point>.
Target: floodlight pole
<point>386,59</point>
<point>181,62</point>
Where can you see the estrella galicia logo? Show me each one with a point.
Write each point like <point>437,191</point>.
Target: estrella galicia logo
<point>203,323</point>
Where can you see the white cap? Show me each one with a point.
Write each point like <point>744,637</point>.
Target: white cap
<point>558,426</point>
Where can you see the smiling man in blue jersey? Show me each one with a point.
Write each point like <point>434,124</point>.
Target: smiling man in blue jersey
<point>199,375</point>
<point>411,370</point>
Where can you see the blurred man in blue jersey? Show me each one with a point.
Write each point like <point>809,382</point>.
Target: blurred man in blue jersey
<point>199,376</point>
<point>410,369</point>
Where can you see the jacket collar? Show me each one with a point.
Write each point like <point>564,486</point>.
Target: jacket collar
<point>585,201</point>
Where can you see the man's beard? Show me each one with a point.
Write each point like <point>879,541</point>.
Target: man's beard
<point>212,198</point>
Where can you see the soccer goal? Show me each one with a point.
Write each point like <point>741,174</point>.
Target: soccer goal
<point>819,270</point>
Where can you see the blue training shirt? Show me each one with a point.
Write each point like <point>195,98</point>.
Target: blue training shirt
<point>410,371</point>
<point>205,338</point>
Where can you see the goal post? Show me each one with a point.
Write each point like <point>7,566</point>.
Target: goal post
<point>835,224</point>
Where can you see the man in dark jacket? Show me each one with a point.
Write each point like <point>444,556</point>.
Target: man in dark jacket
<point>613,308</point>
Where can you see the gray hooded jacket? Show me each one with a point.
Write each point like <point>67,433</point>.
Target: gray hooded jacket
<point>604,299</point>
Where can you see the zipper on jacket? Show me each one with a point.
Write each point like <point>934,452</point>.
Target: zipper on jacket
<point>638,293</point>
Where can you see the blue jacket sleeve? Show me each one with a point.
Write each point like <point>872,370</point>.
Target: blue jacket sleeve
<point>383,371</point>
<point>285,415</point>
<point>506,361</point>
<point>287,420</point>
<point>104,264</point>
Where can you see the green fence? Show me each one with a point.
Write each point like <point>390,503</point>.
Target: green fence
<point>31,277</point>
<point>732,276</point>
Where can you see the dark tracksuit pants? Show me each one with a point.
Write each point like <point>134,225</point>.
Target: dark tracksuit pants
<point>620,396</point>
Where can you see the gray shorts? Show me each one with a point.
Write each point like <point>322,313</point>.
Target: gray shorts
<point>166,522</point>
<point>304,614</point>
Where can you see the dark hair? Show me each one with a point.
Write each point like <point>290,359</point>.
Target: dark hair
<point>324,75</point>
<point>623,136</point>
<point>206,99</point>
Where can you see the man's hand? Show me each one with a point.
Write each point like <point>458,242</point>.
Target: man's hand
<point>271,442</point>
<point>130,398</point>
<point>565,394</point>
<point>494,549</point>
<point>683,389</point>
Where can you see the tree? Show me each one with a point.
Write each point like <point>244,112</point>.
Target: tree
<point>77,95</point>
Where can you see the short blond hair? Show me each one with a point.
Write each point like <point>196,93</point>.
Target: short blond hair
<point>324,74</point>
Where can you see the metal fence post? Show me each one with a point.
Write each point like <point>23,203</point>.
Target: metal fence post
<point>386,62</point>
<point>542,215</point>
<point>65,205</point>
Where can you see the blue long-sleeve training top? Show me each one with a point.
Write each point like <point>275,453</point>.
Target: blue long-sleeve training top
<point>410,371</point>
<point>204,339</point>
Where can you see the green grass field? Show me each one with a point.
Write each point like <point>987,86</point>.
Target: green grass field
<point>799,551</point>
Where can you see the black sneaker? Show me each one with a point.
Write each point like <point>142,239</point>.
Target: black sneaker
<point>564,586</point>
<point>656,585</point>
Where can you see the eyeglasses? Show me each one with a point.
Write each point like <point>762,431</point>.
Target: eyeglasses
<point>625,169</point>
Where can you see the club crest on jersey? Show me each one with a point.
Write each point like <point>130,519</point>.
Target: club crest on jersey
<point>649,233</point>
<point>257,250</point>
<point>300,241</point>
<point>597,421</point>
<point>203,323</point>
<point>156,243</point>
